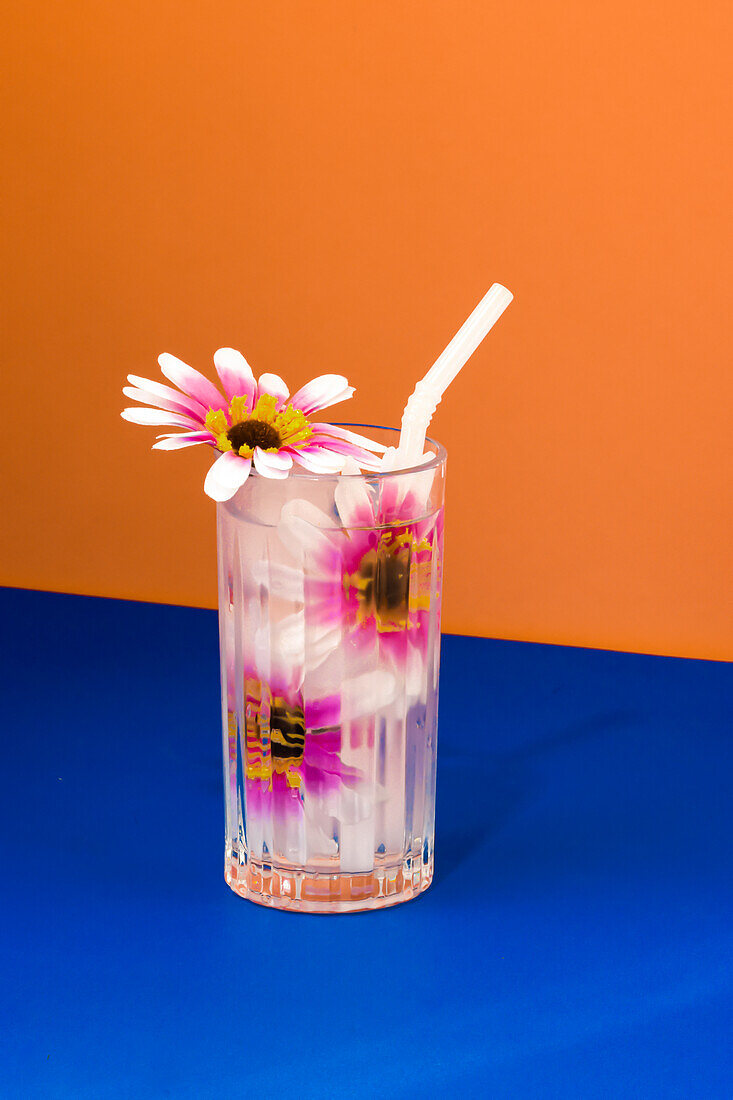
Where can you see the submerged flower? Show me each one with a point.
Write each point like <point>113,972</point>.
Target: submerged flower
<point>257,423</point>
<point>370,583</point>
<point>291,750</point>
<point>293,737</point>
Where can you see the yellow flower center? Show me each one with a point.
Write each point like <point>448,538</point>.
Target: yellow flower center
<point>274,736</point>
<point>392,581</point>
<point>241,431</point>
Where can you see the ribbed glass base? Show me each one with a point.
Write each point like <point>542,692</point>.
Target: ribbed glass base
<point>281,887</point>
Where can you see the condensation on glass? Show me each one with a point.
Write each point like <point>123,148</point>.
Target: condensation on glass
<point>329,614</point>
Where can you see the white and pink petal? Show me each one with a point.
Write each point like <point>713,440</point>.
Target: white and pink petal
<point>182,439</point>
<point>317,460</point>
<point>158,418</point>
<point>192,406</point>
<point>274,385</point>
<point>227,475</point>
<point>235,374</point>
<point>365,459</point>
<point>321,392</point>
<point>351,437</point>
<point>147,397</point>
<point>191,381</point>
<point>274,465</point>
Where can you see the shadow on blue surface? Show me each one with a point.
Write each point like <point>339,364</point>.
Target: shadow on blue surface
<point>507,778</point>
<point>576,940</point>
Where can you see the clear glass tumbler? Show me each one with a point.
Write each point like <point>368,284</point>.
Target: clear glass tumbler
<point>329,617</point>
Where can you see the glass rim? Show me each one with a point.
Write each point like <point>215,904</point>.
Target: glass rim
<point>437,460</point>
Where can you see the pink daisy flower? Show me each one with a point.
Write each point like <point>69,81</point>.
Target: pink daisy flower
<point>253,423</point>
<point>367,585</point>
<point>289,746</point>
<point>293,744</point>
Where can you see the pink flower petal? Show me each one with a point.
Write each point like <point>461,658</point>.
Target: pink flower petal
<point>235,374</point>
<point>272,465</point>
<point>226,476</point>
<point>191,381</point>
<point>327,389</point>
<point>351,437</point>
<point>155,417</point>
<point>193,407</point>
<point>318,460</point>
<point>273,384</point>
<point>322,713</point>
<point>182,439</point>
<point>147,397</point>
<point>366,459</point>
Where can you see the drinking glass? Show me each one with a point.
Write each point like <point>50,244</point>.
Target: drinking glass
<point>329,617</point>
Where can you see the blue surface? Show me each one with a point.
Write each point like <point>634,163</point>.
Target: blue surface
<point>575,943</point>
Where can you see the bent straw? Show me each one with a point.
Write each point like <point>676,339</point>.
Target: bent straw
<point>429,390</point>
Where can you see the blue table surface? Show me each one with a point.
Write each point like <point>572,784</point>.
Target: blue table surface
<point>576,941</point>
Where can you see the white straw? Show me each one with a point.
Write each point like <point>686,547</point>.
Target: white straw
<point>430,389</point>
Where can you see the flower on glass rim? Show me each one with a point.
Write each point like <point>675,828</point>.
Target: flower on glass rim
<point>257,422</point>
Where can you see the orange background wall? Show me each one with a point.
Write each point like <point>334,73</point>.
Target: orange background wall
<point>332,187</point>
